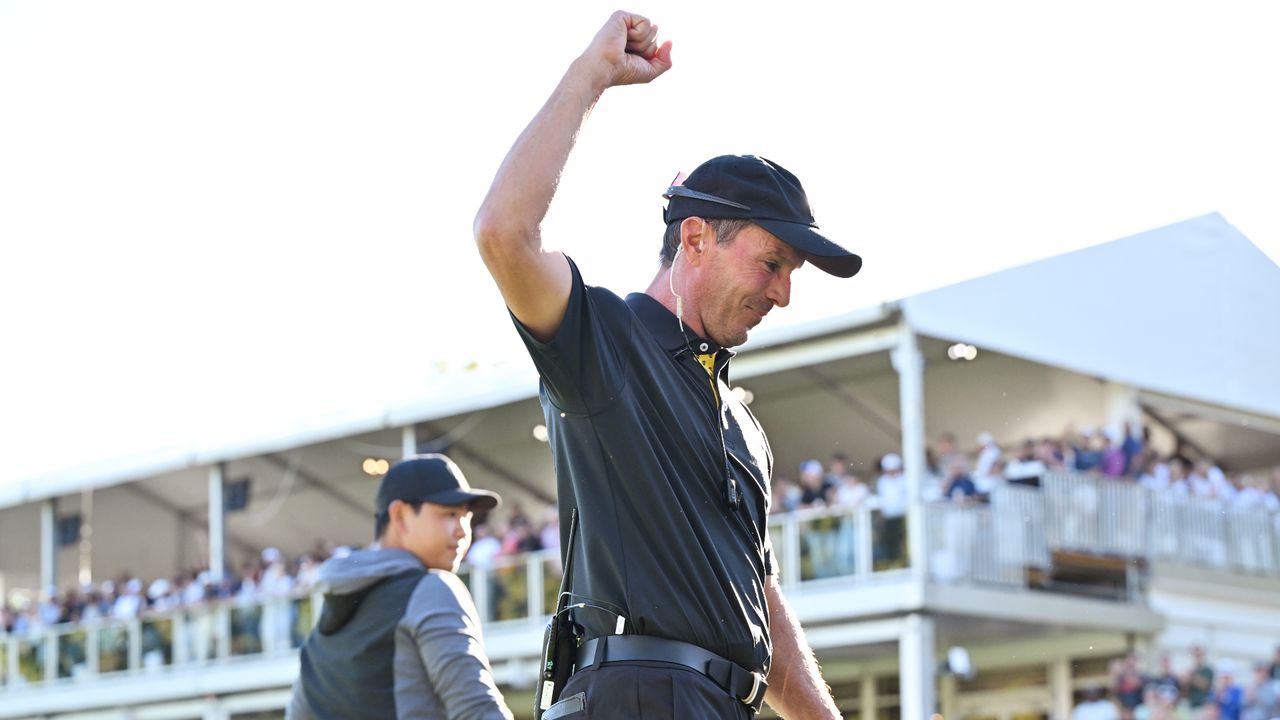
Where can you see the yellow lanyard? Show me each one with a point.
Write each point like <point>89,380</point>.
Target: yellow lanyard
<point>708,361</point>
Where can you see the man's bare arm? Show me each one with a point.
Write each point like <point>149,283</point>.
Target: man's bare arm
<point>796,687</point>
<point>536,283</point>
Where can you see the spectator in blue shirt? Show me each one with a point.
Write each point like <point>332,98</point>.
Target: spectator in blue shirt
<point>1229,697</point>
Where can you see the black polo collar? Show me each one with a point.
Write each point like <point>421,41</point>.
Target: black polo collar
<point>666,328</point>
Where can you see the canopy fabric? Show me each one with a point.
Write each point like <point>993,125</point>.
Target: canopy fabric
<point>1191,309</point>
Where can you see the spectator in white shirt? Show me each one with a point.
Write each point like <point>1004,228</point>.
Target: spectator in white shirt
<point>1223,488</point>
<point>1247,494</point>
<point>1179,484</point>
<point>851,491</point>
<point>891,526</point>
<point>1199,482</point>
<point>130,602</point>
<point>989,452</point>
<point>1155,475</point>
<point>1026,468</point>
<point>1271,496</point>
<point>1095,707</point>
<point>484,546</point>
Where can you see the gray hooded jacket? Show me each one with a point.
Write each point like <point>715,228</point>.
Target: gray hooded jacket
<point>395,640</point>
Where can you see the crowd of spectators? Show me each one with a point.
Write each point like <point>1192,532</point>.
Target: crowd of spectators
<point>270,575</point>
<point>127,596</point>
<point>1204,691</point>
<point>970,477</point>
<point>518,532</point>
<point>954,475</point>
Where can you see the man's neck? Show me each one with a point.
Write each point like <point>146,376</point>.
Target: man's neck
<point>660,289</point>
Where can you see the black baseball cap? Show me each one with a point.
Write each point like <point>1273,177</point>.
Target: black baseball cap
<point>757,189</point>
<point>431,478</point>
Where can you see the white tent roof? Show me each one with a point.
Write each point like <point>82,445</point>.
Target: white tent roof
<point>1191,309</point>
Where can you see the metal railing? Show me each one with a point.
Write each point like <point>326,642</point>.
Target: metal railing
<point>842,542</point>
<point>155,642</point>
<point>991,544</point>
<point>852,544</point>
<point>1098,515</point>
<point>1202,532</point>
<point>1118,517</point>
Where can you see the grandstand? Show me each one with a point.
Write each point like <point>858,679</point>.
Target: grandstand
<point>1043,586</point>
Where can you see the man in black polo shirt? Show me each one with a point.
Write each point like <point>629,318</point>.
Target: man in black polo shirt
<point>673,577</point>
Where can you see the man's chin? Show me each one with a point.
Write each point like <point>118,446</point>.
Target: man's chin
<point>732,341</point>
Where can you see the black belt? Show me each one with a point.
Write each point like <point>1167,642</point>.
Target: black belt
<point>747,686</point>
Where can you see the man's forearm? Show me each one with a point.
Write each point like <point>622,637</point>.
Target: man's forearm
<point>796,687</point>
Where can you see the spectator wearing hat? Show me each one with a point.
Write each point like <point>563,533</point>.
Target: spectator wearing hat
<point>399,635</point>
<point>815,489</point>
<point>986,474</point>
<point>651,446</point>
<point>891,521</point>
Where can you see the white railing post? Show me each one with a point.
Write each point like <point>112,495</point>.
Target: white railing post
<point>533,581</point>
<point>180,641</point>
<point>134,630</point>
<point>909,364</point>
<point>866,552</point>
<point>10,659</point>
<point>480,593</point>
<point>91,647</point>
<point>222,630</point>
<point>50,642</point>
<point>791,551</point>
<point>268,625</point>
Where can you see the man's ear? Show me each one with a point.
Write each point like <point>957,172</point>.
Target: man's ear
<point>396,511</point>
<point>694,232</point>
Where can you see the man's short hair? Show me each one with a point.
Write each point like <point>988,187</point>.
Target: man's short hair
<point>726,230</point>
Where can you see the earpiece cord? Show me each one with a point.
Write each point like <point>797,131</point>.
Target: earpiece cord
<point>679,298</point>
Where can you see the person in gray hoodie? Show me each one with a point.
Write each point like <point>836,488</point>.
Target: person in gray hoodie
<point>399,636</point>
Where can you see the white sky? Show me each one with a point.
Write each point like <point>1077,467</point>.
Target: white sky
<point>225,218</point>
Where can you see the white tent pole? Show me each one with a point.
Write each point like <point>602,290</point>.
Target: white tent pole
<point>409,441</point>
<point>917,668</point>
<point>909,364</point>
<point>217,524</point>
<point>48,549</point>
